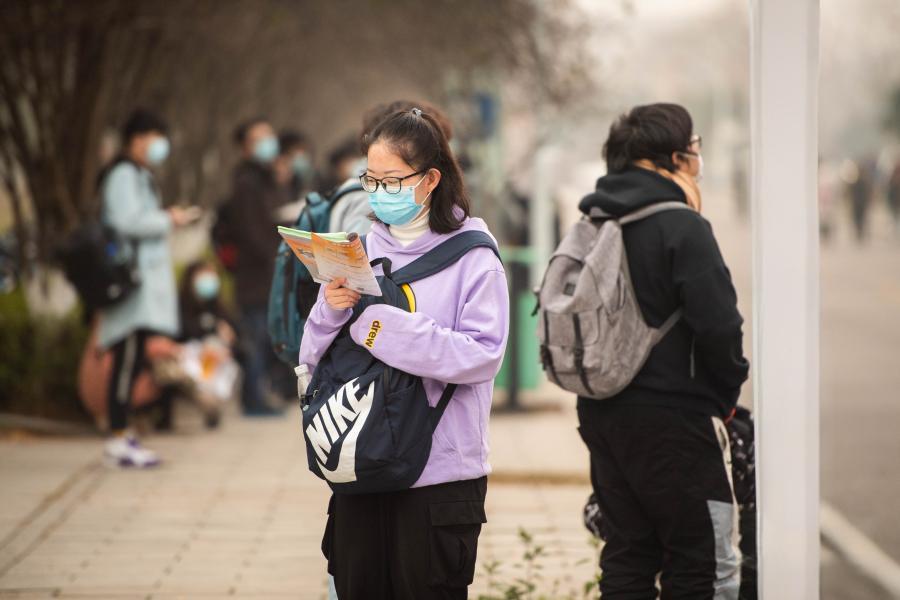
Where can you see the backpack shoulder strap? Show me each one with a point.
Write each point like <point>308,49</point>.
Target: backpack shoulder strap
<point>441,406</point>
<point>341,192</point>
<point>447,253</point>
<point>653,209</point>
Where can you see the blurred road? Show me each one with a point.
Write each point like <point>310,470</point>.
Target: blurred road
<point>861,386</point>
<point>860,382</point>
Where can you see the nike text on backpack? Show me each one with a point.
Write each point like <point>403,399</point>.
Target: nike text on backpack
<point>368,426</point>
<point>593,337</point>
<point>293,292</point>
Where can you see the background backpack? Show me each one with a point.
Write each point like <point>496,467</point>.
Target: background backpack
<point>593,337</point>
<point>99,263</point>
<point>293,292</point>
<point>368,426</point>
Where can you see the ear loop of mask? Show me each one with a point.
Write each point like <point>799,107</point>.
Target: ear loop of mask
<point>424,204</point>
<point>699,158</point>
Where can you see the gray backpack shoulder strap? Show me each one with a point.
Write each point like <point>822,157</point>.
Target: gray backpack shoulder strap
<point>643,213</point>
<point>653,209</point>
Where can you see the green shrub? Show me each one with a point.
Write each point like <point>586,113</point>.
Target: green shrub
<point>39,360</point>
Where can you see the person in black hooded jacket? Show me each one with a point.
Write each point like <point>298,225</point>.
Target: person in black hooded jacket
<point>660,461</point>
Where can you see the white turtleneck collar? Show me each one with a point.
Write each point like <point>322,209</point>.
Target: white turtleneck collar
<point>407,234</point>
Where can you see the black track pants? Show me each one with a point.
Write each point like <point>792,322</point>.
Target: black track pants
<point>662,477</point>
<point>418,544</point>
<point>128,360</point>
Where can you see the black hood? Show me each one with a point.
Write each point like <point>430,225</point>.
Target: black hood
<point>621,193</point>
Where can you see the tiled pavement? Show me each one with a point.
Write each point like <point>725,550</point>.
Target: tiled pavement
<point>235,513</point>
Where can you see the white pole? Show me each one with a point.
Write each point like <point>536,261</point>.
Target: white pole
<point>541,214</point>
<point>784,90</point>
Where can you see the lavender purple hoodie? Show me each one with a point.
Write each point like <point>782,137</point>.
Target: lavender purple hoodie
<point>457,335</point>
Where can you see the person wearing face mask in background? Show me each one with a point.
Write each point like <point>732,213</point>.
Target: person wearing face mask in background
<point>131,206</point>
<point>202,312</point>
<point>294,166</point>
<point>660,456</point>
<point>208,333</point>
<point>251,207</point>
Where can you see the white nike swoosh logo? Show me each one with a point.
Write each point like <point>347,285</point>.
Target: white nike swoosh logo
<point>345,471</point>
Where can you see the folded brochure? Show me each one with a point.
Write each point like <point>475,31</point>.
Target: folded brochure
<point>330,256</point>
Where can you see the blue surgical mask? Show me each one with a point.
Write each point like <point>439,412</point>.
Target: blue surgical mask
<point>302,167</point>
<point>206,286</point>
<point>158,151</point>
<point>266,149</point>
<point>396,209</point>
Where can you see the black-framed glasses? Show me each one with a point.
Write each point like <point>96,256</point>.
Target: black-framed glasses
<point>391,185</point>
<point>695,139</point>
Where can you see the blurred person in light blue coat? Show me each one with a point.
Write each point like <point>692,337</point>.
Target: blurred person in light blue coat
<point>131,206</point>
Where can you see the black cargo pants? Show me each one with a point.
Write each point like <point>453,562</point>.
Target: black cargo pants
<point>418,544</point>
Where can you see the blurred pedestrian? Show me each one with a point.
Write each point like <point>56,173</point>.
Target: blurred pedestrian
<point>893,197</point>
<point>148,398</point>
<point>659,450</point>
<point>131,206</point>
<point>419,542</point>
<point>860,187</point>
<point>208,333</point>
<point>294,167</point>
<point>252,206</point>
<point>828,189</point>
<point>344,162</point>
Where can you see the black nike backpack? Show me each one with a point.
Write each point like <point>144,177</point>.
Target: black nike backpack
<point>368,426</point>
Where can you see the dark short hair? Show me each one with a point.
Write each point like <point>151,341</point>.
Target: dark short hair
<point>653,132</point>
<point>142,121</point>
<point>347,149</point>
<point>240,132</point>
<point>291,139</point>
<point>417,137</point>
<point>375,115</point>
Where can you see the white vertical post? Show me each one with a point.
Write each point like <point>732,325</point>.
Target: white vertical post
<point>541,212</point>
<point>784,90</point>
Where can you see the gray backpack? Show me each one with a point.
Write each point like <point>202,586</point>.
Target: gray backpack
<point>594,339</point>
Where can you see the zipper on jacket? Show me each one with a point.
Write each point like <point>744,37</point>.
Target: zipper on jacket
<point>693,361</point>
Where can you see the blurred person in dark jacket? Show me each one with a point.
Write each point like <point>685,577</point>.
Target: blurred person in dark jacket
<point>253,203</point>
<point>860,177</point>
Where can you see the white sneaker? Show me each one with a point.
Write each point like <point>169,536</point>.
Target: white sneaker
<point>126,451</point>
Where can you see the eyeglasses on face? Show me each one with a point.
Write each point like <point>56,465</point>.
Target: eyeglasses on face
<point>391,185</point>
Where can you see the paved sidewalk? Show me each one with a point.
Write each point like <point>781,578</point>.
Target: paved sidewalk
<point>236,513</point>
